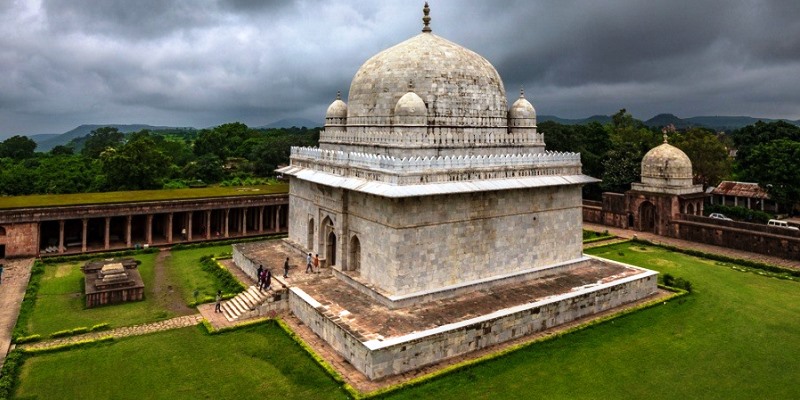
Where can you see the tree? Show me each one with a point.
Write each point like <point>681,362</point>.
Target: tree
<point>62,150</point>
<point>17,147</point>
<point>710,161</point>
<point>138,164</point>
<point>778,170</point>
<point>101,139</point>
<point>629,139</point>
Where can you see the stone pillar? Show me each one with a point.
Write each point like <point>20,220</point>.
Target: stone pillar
<point>107,237</point>
<point>85,232</point>
<point>227,214</point>
<point>128,223</point>
<point>169,228</point>
<point>261,219</point>
<point>277,219</point>
<point>243,228</point>
<point>189,227</point>
<point>208,224</point>
<point>149,229</point>
<point>61,236</point>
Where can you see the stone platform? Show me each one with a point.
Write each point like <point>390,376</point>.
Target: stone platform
<point>380,341</point>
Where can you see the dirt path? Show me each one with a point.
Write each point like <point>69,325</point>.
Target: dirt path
<point>12,289</point>
<point>165,291</point>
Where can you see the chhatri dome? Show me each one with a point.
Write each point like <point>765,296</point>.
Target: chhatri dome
<point>666,167</point>
<point>457,97</point>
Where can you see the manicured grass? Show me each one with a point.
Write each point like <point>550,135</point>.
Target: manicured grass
<point>137,195</point>
<point>184,266</point>
<point>734,337</point>
<point>60,304</point>
<point>258,362</point>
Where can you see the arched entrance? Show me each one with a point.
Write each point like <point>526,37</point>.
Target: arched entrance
<point>647,217</point>
<point>330,251</point>
<point>311,235</point>
<point>2,231</point>
<point>690,209</point>
<point>354,261</point>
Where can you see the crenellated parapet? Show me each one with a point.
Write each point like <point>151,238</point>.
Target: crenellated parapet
<point>416,170</point>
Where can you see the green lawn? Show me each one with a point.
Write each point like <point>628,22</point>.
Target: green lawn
<point>184,266</point>
<point>260,362</point>
<point>52,200</point>
<point>60,304</point>
<point>736,337</point>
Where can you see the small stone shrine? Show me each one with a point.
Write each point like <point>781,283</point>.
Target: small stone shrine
<point>112,281</point>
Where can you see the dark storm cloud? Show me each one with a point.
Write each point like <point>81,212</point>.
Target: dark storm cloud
<point>205,62</point>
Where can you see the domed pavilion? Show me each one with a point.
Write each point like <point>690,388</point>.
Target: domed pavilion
<point>427,186</point>
<point>666,190</point>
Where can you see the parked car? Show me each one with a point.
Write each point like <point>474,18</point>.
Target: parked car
<point>720,216</point>
<point>782,224</point>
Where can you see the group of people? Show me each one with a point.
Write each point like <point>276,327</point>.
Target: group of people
<point>264,278</point>
<point>312,263</point>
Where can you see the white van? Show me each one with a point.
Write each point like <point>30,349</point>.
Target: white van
<point>781,224</point>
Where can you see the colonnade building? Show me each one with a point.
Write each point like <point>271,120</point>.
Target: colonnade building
<point>82,228</point>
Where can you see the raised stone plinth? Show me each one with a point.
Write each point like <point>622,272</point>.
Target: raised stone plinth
<point>112,281</point>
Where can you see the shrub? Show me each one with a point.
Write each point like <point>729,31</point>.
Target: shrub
<point>738,213</point>
<point>100,327</point>
<point>10,373</point>
<point>28,300</point>
<point>28,339</point>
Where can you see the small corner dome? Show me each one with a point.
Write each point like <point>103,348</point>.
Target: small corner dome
<point>410,105</point>
<point>522,108</point>
<point>337,109</point>
<point>666,161</point>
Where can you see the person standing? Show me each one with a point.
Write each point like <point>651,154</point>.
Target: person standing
<point>286,268</point>
<point>259,274</point>
<point>316,262</point>
<point>268,279</point>
<point>308,263</point>
<point>1,273</point>
<point>217,306</point>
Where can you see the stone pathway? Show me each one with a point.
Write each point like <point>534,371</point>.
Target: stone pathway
<point>12,289</point>
<point>135,330</point>
<point>685,244</point>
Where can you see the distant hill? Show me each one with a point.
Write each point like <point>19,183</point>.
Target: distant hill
<point>48,142</point>
<point>42,137</point>
<point>717,123</point>
<point>603,119</point>
<point>290,122</point>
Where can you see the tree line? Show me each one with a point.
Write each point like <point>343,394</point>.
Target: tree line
<point>108,160</point>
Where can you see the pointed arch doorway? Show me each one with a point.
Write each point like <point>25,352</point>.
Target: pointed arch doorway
<point>354,259</point>
<point>647,217</point>
<point>327,238</point>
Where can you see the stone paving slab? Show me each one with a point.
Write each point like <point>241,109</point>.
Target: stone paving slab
<point>135,330</point>
<point>14,282</point>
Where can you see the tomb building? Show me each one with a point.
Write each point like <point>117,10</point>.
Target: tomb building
<point>426,181</point>
<point>446,224</point>
<point>112,281</point>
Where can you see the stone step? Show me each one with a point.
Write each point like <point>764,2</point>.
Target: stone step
<point>259,295</point>
<point>228,313</point>
<point>236,306</point>
<point>253,291</point>
<point>245,300</point>
<point>251,297</point>
<point>239,303</point>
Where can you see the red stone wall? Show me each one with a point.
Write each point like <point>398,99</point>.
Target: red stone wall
<point>21,239</point>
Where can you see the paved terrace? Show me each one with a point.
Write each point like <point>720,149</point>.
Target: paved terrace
<point>367,319</point>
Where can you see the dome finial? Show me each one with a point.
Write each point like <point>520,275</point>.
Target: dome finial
<point>664,131</point>
<point>521,92</point>
<point>338,95</point>
<point>426,19</point>
<point>410,85</point>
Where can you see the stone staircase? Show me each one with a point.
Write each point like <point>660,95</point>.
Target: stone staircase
<point>244,303</point>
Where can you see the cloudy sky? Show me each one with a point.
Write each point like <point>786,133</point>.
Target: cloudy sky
<point>202,63</point>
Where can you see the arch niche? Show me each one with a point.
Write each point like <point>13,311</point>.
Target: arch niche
<point>354,259</point>
<point>690,209</point>
<point>647,217</point>
<point>328,240</point>
<point>2,231</point>
<point>311,235</point>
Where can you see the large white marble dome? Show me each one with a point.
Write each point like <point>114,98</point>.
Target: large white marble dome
<point>428,96</point>
<point>454,83</point>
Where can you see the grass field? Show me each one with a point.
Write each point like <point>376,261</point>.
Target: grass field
<point>736,337</point>
<point>259,362</point>
<point>59,304</point>
<point>184,265</point>
<point>52,200</point>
